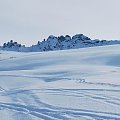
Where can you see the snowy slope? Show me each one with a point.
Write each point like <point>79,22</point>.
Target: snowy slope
<point>79,84</point>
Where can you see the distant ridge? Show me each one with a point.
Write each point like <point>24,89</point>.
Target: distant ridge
<point>58,43</point>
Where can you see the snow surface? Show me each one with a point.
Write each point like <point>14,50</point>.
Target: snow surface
<point>79,84</point>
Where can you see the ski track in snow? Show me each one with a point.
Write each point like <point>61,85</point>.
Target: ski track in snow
<point>42,90</point>
<point>50,112</point>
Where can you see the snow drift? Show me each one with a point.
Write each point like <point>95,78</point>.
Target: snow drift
<point>81,84</point>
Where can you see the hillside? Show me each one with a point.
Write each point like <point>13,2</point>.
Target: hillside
<point>79,84</point>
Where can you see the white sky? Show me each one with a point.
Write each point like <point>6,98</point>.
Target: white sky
<point>27,21</point>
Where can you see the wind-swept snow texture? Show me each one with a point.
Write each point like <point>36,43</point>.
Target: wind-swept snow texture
<point>79,84</point>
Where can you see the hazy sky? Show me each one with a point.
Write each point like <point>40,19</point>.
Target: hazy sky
<point>27,21</point>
